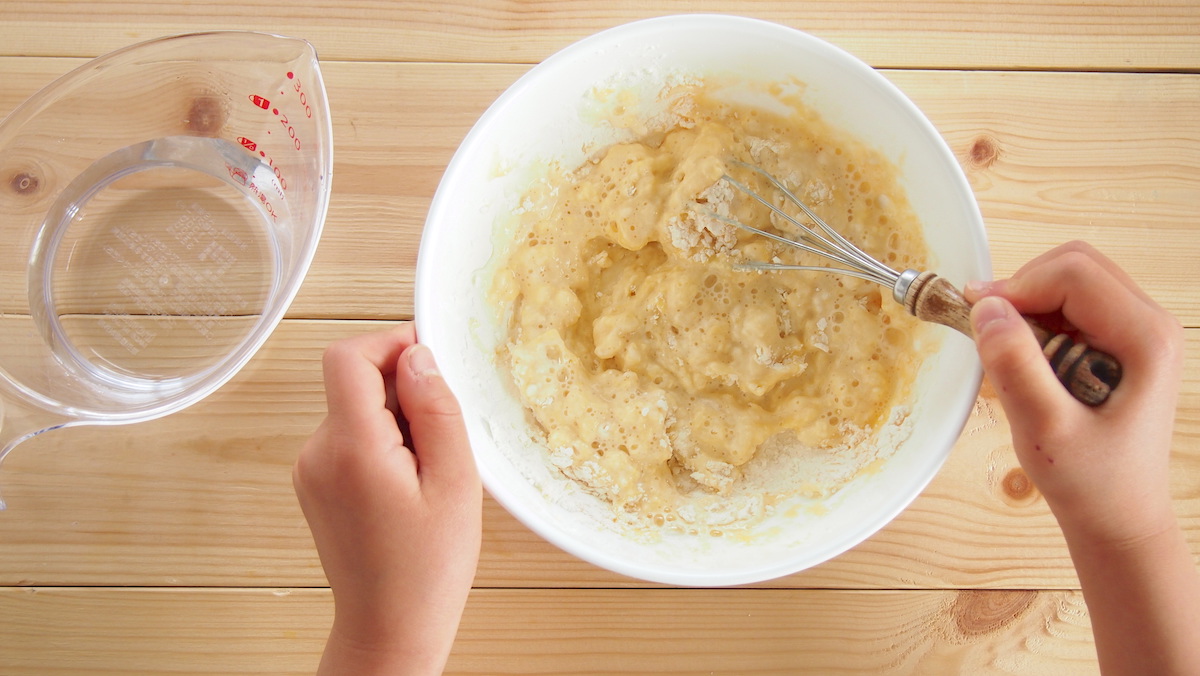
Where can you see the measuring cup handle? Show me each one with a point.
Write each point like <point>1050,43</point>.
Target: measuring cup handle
<point>21,421</point>
<point>1088,374</point>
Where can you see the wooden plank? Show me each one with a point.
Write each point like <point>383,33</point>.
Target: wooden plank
<point>204,498</point>
<point>196,511</point>
<point>1060,156</point>
<point>1112,158</point>
<point>1078,34</point>
<point>734,631</point>
<point>155,631</point>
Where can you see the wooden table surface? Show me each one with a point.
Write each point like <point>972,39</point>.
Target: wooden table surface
<point>177,546</point>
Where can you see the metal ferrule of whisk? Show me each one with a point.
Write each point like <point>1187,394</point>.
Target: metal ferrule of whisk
<point>1088,374</point>
<point>904,281</point>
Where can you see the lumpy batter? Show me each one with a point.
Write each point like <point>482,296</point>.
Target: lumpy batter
<point>655,368</point>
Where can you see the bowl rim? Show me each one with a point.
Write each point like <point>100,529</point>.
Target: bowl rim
<point>425,304</point>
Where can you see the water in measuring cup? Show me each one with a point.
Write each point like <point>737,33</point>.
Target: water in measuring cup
<point>156,264</point>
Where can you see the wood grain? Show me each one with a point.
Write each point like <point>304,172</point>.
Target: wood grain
<point>580,632</point>
<point>157,631</point>
<point>177,546</point>
<point>1110,158</point>
<point>1077,34</point>
<point>204,498</point>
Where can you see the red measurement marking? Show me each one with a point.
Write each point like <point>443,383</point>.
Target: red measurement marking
<point>299,87</point>
<point>247,143</point>
<point>260,101</point>
<point>291,75</point>
<point>275,111</point>
<point>237,174</point>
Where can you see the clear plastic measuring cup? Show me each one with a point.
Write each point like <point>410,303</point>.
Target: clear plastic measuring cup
<point>159,208</point>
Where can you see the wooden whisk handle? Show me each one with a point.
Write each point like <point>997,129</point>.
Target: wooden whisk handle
<point>1088,374</point>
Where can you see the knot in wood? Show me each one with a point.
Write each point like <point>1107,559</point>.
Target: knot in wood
<point>1017,485</point>
<point>977,612</point>
<point>205,117</point>
<point>24,183</point>
<point>984,152</point>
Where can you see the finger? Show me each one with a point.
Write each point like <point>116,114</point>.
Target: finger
<point>439,435</point>
<point>1085,249</point>
<point>1014,363</point>
<point>977,289</point>
<point>355,370</point>
<point>1110,316</point>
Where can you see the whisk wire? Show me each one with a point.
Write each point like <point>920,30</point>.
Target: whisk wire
<point>849,272</point>
<point>831,246</point>
<point>840,249</point>
<point>815,242</point>
<point>760,266</point>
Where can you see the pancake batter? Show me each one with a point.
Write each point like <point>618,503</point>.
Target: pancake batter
<point>657,370</point>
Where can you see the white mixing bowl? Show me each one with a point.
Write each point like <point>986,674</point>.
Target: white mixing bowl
<point>553,114</point>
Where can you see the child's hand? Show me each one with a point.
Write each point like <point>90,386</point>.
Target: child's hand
<point>1102,470</point>
<point>390,490</point>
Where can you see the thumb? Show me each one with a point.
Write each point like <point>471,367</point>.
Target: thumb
<point>1013,361</point>
<point>435,421</point>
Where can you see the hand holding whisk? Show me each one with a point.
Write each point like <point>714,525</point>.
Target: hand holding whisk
<point>1088,374</point>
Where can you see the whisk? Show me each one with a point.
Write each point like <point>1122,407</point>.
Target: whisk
<point>1088,374</point>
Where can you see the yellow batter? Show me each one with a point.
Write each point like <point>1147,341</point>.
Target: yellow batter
<point>657,370</point>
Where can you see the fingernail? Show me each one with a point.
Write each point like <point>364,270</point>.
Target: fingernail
<point>977,288</point>
<point>989,310</point>
<point>420,361</point>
